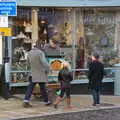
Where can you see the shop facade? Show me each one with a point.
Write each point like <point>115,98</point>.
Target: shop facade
<point>79,30</point>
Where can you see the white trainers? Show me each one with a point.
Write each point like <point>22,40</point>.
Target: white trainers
<point>47,103</point>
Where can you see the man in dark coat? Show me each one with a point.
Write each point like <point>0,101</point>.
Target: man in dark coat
<point>95,76</point>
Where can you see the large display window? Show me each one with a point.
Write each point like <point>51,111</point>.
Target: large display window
<point>21,43</point>
<point>94,31</point>
<point>55,23</point>
<point>99,36</point>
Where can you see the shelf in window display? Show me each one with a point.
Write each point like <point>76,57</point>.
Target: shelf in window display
<point>19,84</point>
<point>18,81</point>
<point>20,67</point>
<point>20,71</point>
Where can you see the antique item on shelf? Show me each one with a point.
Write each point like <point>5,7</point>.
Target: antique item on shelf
<point>56,64</point>
<point>14,79</point>
<point>21,35</point>
<point>28,28</point>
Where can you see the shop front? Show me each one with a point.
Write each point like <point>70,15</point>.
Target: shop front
<point>79,31</point>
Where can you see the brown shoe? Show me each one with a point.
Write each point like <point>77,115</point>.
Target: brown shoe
<point>27,105</point>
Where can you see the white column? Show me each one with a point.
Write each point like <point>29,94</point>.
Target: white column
<point>34,24</point>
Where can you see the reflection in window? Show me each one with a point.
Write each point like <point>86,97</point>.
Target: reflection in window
<point>99,35</point>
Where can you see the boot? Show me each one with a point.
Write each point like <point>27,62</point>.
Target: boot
<point>57,101</point>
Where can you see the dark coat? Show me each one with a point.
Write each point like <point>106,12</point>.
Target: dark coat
<point>65,77</point>
<point>95,74</point>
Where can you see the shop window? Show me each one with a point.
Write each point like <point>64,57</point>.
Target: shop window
<point>56,23</point>
<point>21,44</point>
<point>99,36</point>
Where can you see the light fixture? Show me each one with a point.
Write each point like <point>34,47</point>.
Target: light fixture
<point>50,26</point>
<point>89,32</point>
<point>42,21</point>
<point>55,31</point>
<point>69,9</point>
<point>28,27</point>
<point>45,31</point>
<point>21,36</point>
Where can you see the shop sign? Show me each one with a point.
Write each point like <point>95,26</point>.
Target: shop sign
<point>5,32</point>
<point>3,21</point>
<point>8,8</point>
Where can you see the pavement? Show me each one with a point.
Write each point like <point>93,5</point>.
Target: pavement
<point>12,108</point>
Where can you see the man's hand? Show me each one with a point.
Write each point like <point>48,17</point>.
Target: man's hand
<point>51,70</point>
<point>48,71</point>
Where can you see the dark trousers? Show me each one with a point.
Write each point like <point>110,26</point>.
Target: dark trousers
<point>96,96</point>
<point>30,90</point>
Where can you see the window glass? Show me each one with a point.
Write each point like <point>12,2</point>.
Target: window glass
<point>21,42</point>
<point>95,33</point>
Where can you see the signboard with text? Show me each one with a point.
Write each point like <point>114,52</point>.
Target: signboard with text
<point>5,32</point>
<point>8,8</point>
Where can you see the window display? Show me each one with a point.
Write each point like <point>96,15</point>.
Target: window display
<point>19,77</point>
<point>95,31</point>
<point>21,44</point>
<point>99,30</point>
<point>19,52</point>
<point>99,36</point>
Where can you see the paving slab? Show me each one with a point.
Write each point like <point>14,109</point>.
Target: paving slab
<point>13,108</point>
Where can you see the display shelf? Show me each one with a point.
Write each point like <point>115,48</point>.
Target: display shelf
<point>83,81</point>
<point>19,84</point>
<point>19,78</point>
<point>19,71</point>
<point>23,84</point>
